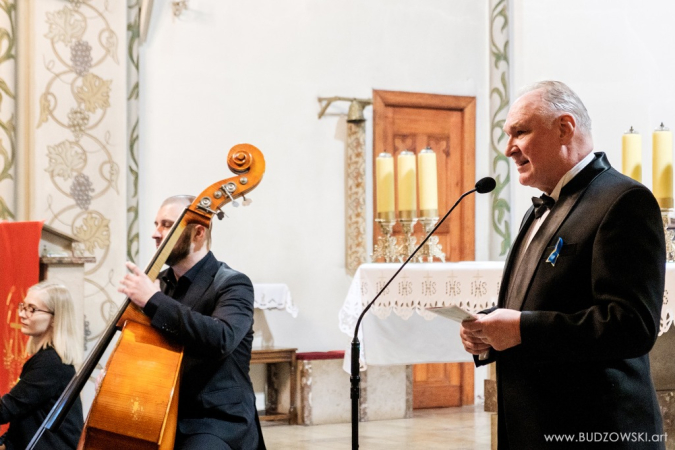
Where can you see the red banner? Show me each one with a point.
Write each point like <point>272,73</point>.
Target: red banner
<point>19,270</point>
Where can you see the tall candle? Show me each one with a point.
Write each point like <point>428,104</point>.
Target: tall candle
<point>407,201</point>
<point>428,183</point>
<point>662,166</point>
<point>384,174</point>
<point>631,151</point>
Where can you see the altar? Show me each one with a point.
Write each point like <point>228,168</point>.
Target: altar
<point>399,330</point>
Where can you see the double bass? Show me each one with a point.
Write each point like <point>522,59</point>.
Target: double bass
<point>136,405</point>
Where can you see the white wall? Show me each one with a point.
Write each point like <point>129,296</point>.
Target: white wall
<point>228,72</point>
<point>619,56</point>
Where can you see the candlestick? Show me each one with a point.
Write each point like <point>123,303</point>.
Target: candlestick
<point>428,182</point>
<point>662,166</point>
<point>407,195</point>
<point>432,249</point>
<point>631,150</point>
<point>387,247</point>
<point>407,248</point>
<point>384,174</point>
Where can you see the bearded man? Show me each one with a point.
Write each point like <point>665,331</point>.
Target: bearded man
<point>208,308</point>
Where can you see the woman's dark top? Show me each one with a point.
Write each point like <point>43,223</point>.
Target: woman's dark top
<point>43,379</point>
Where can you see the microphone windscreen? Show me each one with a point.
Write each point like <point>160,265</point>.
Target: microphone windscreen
<point>485,185</point>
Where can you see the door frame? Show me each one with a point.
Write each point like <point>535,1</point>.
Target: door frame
<point>462,104</point>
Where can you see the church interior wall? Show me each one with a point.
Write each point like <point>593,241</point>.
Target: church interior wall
<point>228,72</point>
<point>222,74</point>
<point>225,73</point>
<point>618,56</point>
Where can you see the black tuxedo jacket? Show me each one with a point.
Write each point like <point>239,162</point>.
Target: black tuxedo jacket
<point>587,322</point>
<point>214,323</point>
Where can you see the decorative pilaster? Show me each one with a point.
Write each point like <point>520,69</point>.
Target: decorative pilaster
<point>74,136</point>
<point>357,251</point>
<point>7,109</point>
<point>500,233</point>
<point>133,41</point>
<point>355,181</point>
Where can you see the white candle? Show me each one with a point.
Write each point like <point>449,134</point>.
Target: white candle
<point>428,183</point>
<point>407,201</point>
<point>384,174</point>
<point>662,166</point>
<point>631,151</point>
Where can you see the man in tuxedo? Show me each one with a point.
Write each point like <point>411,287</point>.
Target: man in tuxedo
<point>208,308</point>
<point>580,301</point>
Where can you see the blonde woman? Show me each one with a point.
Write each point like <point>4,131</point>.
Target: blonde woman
<point>48,316</point>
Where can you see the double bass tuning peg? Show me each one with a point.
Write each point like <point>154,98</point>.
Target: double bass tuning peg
<point>226,189</point>
<point>232,200</point>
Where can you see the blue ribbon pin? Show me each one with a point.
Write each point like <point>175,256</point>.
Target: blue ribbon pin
<point>553,257</point>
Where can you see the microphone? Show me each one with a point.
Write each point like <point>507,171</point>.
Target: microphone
<point>483,186</point>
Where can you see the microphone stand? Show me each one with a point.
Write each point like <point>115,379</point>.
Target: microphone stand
<point>356,345</point>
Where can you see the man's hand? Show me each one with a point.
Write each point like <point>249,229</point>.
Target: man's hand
<point>472,342</point>
<point>137,286</point>
<point>500,330</point>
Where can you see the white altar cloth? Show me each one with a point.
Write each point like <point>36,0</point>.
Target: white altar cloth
<point>412,335</point>
<point>273,296</point>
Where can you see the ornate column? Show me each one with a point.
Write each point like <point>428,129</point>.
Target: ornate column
<point>133,42</point>
<point>355,182</point>
<point>500,232</point>
<point>356,251</point>
<point>7,109</point>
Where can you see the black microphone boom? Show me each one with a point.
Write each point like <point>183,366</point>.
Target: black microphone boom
<point>483,186</point>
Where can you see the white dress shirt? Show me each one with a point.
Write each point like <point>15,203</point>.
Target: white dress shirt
<point>555,195</point>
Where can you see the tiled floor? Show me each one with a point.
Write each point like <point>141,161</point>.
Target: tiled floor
<point>467,428</point>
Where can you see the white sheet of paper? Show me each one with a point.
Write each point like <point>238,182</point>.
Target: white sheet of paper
<point>453,312</point>
<point>458,315</point>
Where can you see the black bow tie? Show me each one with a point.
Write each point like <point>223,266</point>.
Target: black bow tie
<point>541,204</point>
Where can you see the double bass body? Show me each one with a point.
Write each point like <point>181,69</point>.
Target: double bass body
<point>136,406</point>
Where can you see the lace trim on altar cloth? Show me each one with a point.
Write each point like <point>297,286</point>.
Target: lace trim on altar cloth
<point>473,286</point>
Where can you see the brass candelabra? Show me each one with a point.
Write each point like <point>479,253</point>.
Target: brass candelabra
<point>408,246</point>
<point>387,247</point>
<point>432,249</point>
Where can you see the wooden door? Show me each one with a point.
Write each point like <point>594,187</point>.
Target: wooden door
<point>409,121</point>
<point>413,121</point>
<point>442,385</point>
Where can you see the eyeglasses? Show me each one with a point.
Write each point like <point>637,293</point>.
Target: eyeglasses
<point>30,309</point>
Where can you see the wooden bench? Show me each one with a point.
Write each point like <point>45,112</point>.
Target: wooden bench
<point>272,357</point>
